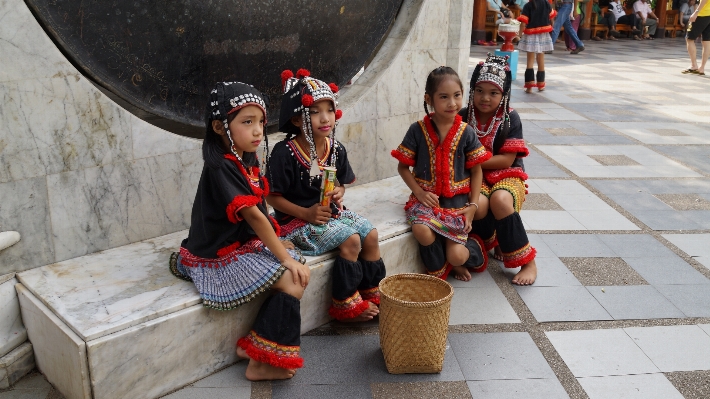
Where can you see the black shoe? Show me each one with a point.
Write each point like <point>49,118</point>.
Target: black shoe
<point>635,32</point>
<point>615,33</point>
<point>577,50</point>
<point>548,52</point>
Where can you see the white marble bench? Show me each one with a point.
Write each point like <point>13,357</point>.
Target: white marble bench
<point>117,324</point>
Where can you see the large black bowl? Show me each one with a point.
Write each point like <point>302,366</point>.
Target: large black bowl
<point>162,57</point>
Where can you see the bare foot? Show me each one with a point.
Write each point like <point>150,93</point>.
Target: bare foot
<point>528,89</point>
<point>257,371</point>
<point>526,275</point>
<point>242,354</point>
<point>366,315</point>
<point>461,273</point>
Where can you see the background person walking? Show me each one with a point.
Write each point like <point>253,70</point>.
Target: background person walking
<point>563,15</point>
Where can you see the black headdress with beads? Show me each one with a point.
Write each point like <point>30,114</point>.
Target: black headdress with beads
<point>229,97</point>
<point>300,92</point>
<point>494,70</point>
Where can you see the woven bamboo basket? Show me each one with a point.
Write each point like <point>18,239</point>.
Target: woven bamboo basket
<point>414,322</point>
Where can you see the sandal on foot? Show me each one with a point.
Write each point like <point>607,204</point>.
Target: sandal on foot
<point>689,70</point>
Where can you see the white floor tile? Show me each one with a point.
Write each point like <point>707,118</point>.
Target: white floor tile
<point>674,348</point>
<point>642,386</point>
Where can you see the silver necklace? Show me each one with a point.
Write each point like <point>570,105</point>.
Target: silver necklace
<point>488,131</point>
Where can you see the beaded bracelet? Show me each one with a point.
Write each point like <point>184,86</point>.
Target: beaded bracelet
<point>472,203</point>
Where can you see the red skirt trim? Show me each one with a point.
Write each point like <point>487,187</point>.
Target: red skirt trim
<point>348,308</point>
<point>372,295</point>
<point>518,258</point>
<point>538,30</point>
<point>493,176</point>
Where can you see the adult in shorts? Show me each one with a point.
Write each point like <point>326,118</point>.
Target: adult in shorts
<point>700,20</point>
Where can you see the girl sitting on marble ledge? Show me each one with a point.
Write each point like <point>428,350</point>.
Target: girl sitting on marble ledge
<point>308,117</point>
<point>232,252</point>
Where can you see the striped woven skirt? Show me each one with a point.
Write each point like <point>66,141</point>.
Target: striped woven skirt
<point>314,239</point>
<point>232,280</point>
<point>444,222</point>
<point>536,43</point>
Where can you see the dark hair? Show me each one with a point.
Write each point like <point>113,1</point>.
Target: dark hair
<point>213,150</point>
<point>499,138</point>
<point>435,78</point>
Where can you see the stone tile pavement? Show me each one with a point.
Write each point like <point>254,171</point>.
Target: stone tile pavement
<point>619,211</point>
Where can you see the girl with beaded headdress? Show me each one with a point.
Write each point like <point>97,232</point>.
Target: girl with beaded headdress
<point>308,117</point>
<point>445,180</point>
<point>498,127</point>
<point>232,253</point>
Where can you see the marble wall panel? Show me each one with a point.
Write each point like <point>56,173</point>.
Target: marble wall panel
<point>393,92</point>
<point>390,132</point>
<point>56,125</point>
<point>27,52</point>
<point>150,141</point>
<point>59,353</point>
<point>432,27</point>
<point>16,364</point>
<point>25,209</point>
<point>98,208</point>
<point>317,297</point>
<point>359,140</point>
<point>423,62</point>
<point>12,331</point>
<point>149,360</point>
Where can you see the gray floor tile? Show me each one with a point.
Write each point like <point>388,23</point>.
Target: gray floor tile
<point>604,219</point>
<point>642,386</point>
<point>511,355</point>
<point>705,327</point>
<point>696,156</point>
<point>481,305</point>
<point>635,245</point>
<point>330,391</point>
<point>609,187</point>
<point>421,390</point>
<point>674,348</point>
<point>377,369</point>
<point>635,302</point>
<point>635,201</point>
<point>595,353</point>
<point>482,279</point>
<point>543,251</point>
<point>701,218</point>
<point>692,186</point>
<point>577,246</point>
<point>695,245</point>
<point>562,304</point>
<point>331,360</point>
<point>545,388</point>
<point>232,376</point>
<point>693,300</point>
<point>551,273</point>
<point>666,271</point>
<point>537,166</point>
<point>211,393</point>
<point>665,220</point>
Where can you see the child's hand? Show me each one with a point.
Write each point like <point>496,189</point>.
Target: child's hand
<point>336,195</point>
<point>467,213</point>
<point>301,273</point>
<point>318,214</point>
<point>428,199</point>
<point>288,244</point>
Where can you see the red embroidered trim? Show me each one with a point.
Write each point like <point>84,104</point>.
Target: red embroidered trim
<point>372,295</point>
<point>529,85</point>
<point>515,145</point>
<point>238,203</point>
<point>518,258</point>
<point>443,158</point>
<point>442,273</point>
<point>265,183</point>
<point>289,227</point>
<point>553,13</point>
<point>538,30</point>
<point>401,155</point>
<point>229,256</point>
<point>491,242</point>
<point>524,19</point>
<point>484,265</point>
<point>277,228</point>
<point>477,156</point>
<point>541,85</point>
<point>269,352</point>
<point>348,308</point>
<point>493,176</point>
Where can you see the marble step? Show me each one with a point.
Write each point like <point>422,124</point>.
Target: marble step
<point>117,324</point>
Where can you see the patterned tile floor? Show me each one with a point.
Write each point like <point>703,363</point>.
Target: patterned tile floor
<point>619,211</point>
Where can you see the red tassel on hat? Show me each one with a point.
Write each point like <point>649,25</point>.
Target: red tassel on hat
<point>333,87</point>
<point>307,100</point>
<point>285,76</point>
<point>338,114</point>
<point>302,73</point>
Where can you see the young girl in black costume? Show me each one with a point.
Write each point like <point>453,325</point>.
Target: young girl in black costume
<point>535,29</point>
<point>445,180</point>
<point>499,128</point>
<point>233,252</point>
<point>308,115</point>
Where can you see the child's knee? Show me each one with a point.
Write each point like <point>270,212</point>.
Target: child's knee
<point>351,246</point>
<point>457,255</point>
<point>423,234</point>
<point>286,285</point>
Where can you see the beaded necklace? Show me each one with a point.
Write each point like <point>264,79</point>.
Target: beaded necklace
<point>488,131</point>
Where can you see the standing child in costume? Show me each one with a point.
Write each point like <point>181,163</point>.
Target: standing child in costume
<point>233,252</point>
<point>499,128</point>
<point>308,116</point>
<point>535,27</point>
<point>445,181</point>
